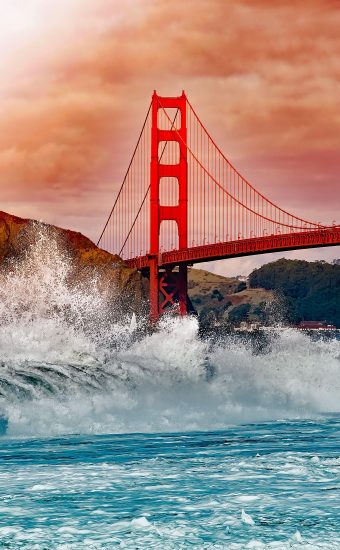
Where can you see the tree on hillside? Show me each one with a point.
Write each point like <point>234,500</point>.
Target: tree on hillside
<point>311,289</point>
<point>239,313</point>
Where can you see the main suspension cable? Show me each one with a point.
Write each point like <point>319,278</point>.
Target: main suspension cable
<point>126,174</point>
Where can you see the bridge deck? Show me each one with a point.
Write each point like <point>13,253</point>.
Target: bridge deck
<point>243,247</point>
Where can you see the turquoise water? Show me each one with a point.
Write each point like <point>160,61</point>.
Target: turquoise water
<point>266,485</point>
<point>113,437</point>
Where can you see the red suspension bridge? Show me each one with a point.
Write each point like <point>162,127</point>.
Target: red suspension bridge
<point>186,203</point>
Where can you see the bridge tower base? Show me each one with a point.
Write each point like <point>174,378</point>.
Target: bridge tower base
<point>168,285</point>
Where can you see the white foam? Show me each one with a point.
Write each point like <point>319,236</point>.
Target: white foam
<point>5,531</point>
<point>140,523</point>
<point>42,487</point>
<point>255,544</point>
<point>246,518</point>
<point>68,368</point>
<point>297,536</point>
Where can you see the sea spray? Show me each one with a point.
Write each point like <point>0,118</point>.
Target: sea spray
<point>68,367</point>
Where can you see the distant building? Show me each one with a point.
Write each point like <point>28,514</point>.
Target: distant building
<point>315,325</point>
<point>248,327</point>
<point>242,278</point>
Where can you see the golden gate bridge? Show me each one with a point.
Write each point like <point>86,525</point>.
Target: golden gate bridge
<point>183,202</point>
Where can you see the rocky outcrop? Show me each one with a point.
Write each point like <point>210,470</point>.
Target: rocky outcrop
<point>122,285</point>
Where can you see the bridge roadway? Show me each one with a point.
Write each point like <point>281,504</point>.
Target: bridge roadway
<point>329,236</point>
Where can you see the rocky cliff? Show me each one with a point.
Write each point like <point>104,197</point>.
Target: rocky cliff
<point>122,285</point>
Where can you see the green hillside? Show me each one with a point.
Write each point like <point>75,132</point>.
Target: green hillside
<point>227,298</point>
<point>311,290</point>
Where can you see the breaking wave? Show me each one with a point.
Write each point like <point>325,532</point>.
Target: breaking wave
<point>68,367</point>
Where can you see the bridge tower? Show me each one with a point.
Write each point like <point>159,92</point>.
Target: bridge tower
<point>168,286</point>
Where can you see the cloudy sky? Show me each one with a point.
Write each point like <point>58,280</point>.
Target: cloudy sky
<point>76,77</point>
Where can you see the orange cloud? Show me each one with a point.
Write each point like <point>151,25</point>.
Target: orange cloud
<point>264,76</point>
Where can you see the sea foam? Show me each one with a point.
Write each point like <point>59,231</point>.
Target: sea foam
<point>66,367</point>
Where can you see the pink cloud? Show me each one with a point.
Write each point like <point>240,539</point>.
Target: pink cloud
<point>263,76</point>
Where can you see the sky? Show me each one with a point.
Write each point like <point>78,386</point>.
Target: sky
<point>76,78</point>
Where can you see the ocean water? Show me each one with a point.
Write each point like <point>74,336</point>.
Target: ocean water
<point>264,485</point>
<point>114,437</point>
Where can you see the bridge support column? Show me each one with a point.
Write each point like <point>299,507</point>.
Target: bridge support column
<point>173,290</point>
<point>154,289</point>
<point>167,286</point>
<point>183,289</point>
<point>168,289</point>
